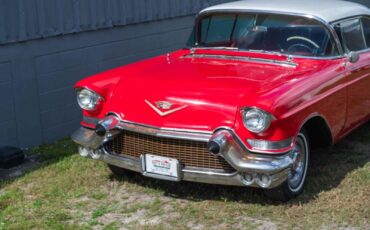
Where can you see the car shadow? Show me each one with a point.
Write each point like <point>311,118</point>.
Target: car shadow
<point>328,169</point>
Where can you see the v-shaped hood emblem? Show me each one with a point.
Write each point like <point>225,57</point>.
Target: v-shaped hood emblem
<point>164,105</point>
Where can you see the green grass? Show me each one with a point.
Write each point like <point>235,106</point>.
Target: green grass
<point>70,192</point>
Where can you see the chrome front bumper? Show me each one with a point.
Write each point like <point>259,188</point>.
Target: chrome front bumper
<point>250,169</point>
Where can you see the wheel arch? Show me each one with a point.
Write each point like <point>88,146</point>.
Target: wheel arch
<point>318,130</point>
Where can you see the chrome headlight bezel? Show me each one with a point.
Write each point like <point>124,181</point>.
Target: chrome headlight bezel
<point>256,120</point>
<point>88,99</point>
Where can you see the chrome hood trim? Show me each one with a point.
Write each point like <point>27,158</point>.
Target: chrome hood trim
<point>242,58</point>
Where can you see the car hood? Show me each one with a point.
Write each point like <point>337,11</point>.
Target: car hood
<point>188,92</point>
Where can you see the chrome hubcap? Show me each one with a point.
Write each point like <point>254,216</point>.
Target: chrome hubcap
<point>297,171</point>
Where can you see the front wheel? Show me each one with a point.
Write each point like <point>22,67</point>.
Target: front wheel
<point>297,174</point>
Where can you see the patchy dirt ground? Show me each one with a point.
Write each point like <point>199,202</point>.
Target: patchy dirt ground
<point>69,192</point>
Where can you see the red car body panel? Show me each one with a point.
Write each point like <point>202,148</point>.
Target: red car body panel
<point>215,90</point>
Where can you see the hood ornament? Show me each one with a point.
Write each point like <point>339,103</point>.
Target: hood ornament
<point>164,105</point>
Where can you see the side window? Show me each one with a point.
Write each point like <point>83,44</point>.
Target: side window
<point>351,35</point>
<point>366,26</point>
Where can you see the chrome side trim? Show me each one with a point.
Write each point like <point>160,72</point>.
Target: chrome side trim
<point>246,59</point>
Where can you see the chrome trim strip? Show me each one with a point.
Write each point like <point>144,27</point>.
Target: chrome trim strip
<point>193,174</point>
<point>242,161</point>
<point>326,24</point>
<point>186,134</point>
<point>251,150</point>
<point>165,132</point>
<point>363,51</point>
<point>123,162</point>
<point>239,58</point>
<point>208,171</point>
<point>272,145</point>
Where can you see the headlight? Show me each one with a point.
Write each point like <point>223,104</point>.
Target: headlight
<point>87,99</point>
<point>256,120</point>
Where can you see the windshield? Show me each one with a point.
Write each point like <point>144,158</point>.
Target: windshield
<point>264,32</point>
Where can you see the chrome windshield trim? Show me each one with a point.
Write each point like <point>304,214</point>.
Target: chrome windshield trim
<point>326,24</point>
<point>240,58</point>
<point>193,49</point>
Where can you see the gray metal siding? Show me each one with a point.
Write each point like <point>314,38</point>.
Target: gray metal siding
<point>48,45</point>
<point>7,114</point>
<point>22,20</point>
<point>37,100</point>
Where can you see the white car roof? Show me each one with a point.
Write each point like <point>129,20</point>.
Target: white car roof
<point>326,10</point>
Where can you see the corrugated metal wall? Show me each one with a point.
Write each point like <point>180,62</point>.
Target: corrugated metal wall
<point>37,100</point>
<point>22,20</point>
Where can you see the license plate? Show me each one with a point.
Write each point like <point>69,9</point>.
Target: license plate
<point>162,166</point>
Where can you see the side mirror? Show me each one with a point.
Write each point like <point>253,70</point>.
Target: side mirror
<point>353,57</point>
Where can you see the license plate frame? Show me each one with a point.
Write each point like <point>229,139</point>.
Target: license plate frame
<point>159,167</point>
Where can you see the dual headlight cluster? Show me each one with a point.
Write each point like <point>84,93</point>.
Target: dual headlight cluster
<point>256,120</point>
<point>88,99</point>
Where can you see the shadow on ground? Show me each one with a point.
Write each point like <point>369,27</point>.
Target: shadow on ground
<point>328,169</point>
<point>35,161</point>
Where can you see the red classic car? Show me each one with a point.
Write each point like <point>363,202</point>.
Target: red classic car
<point>260,84</point>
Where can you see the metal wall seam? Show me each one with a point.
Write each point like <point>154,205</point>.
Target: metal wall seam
<point>22,20</point>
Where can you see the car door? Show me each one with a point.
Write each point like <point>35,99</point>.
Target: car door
<point>355,37</point>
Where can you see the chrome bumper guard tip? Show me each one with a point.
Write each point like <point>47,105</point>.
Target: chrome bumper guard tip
<point>87,138</point>
<point>234,152</point>
<point>250,169</point>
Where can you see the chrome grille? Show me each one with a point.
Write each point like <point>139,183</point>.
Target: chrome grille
<point>189,153</point>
